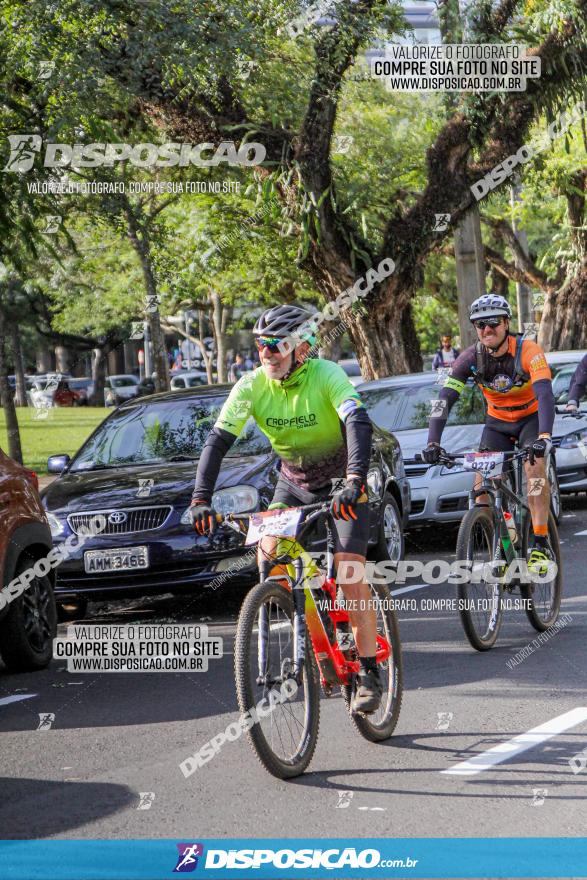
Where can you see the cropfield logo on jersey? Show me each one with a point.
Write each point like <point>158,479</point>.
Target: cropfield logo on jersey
<point>307,421</point>
<point>187,859</point>
<point>23,148</point>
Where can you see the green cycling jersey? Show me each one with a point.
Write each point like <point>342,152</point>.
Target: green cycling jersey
<point>303,417</point>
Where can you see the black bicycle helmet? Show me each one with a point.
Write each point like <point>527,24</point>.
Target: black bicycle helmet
<point>283,321</point>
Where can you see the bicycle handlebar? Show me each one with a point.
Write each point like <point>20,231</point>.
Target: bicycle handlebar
<point>449,459</point>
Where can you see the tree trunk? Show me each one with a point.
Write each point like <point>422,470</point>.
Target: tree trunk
<point>564,318</point>
<point>21,399</point>
<point>219,332</point>
<point>98,377</point>
<point>141,246</point>
<point>207,360</point>
<point>385,339</point>
<point>7,399</point>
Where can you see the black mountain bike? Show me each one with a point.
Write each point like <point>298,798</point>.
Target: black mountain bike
<point>485,542</point>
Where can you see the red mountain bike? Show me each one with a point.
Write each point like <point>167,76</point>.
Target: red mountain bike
<point>293,629</point>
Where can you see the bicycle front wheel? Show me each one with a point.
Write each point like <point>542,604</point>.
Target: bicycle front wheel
<point>543,598</point>
<point>480,599</point>
<point>380,725</point>
<point>284,731</point>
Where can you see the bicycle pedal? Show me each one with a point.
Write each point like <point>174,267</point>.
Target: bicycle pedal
<point>327,688</point>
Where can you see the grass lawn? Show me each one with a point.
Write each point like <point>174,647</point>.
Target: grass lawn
<point>62,431</point>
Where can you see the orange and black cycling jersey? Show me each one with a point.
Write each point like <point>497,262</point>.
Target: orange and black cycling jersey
<point>511,393</point>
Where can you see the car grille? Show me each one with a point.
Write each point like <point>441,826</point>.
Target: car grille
<point>416,470</point>
<point>418,506</point>
<point>448,505</point>
<point>138,519</point>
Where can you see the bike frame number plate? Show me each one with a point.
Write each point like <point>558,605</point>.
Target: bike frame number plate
<point>488,464</point>
<point>281,523</point>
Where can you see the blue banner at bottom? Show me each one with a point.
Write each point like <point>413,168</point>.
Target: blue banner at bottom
<point>303,858</point>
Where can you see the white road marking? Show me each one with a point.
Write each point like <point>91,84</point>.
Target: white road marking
<point>4,701</point>
<point>517,745</point>
<point>410,589</point>
<point>584,532</point>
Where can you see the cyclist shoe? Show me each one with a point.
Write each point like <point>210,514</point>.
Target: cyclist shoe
<point>367,697</point>
<point>540,555</point>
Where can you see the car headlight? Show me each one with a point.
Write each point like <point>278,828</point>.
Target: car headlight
<point>573,441</point>
<point>237,499</point>
<point>56,526</point>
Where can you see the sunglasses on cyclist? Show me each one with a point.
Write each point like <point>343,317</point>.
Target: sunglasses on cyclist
<point>489,322</point>
<point>270,342</point>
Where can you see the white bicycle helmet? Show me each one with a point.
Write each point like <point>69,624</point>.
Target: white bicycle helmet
<point>490,305</point>
<point>283,321</point>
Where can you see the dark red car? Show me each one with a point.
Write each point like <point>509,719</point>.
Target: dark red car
<point>28,623</point>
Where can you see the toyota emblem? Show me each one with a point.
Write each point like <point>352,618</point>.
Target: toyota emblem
<point>117,517</point>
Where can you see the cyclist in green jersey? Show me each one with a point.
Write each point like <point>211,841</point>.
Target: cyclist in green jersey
<point>320,430</point>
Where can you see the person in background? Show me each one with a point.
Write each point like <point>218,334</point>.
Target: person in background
<point>446,354</point>
<point>237,368</point>
<point>248,363</point>
<point>577,387</point>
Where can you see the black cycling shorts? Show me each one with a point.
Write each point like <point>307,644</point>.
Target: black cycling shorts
<point>350,536</point>
<point>500,436</point>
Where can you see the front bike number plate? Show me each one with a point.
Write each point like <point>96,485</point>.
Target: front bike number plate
<point>488,464</point>
<point>280,523</point>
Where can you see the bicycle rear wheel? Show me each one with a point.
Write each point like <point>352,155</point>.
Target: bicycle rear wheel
<point>543,599</point>
<point>380,725</point>
<point>284,740</point>
<point>480,604</point>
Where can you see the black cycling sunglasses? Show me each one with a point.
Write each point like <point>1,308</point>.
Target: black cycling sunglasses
<point>270,342</point>
<point>488,322</point>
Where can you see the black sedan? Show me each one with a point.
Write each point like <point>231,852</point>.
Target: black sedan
<point>137,470</point>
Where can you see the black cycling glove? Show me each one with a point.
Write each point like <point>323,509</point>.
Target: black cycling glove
<point>432,453</point>
<point>343,502</point>
<point>203,517</point>
<point>539,448</point>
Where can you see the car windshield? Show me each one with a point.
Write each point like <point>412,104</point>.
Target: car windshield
<point>408,406</point>
<point>122,381</point>
<point>161,431</point>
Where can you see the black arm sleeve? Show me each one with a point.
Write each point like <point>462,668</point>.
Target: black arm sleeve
<point>579,382</point>
<point>359,431</point>
<point>437,423</point>
<point>215,448</point>
<point>460,372</point>
<point>546,411</point>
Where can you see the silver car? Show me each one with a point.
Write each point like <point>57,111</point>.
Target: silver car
<point>439,494</point>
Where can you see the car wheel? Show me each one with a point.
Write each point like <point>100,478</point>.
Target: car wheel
<point>28,630</point>
<point>74,609</point>
<point>391,543</point>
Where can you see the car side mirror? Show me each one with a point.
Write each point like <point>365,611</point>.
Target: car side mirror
<point>56,464</point>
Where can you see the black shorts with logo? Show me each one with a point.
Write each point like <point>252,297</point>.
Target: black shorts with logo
<point>500,436</point>
<point>350,536</point>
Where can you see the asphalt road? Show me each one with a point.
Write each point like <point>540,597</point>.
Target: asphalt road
<point>115,736</point>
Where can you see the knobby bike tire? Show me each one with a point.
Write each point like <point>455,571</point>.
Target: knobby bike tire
<point>378,731</point>
<point>245,672</point>
<point>476,517</point>
<point>530,592</point>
